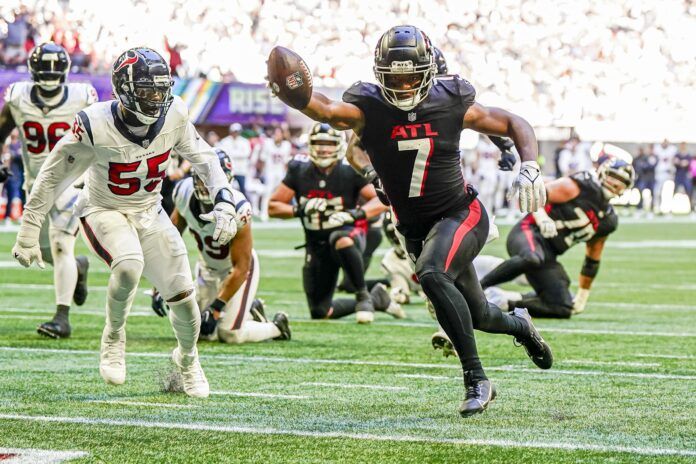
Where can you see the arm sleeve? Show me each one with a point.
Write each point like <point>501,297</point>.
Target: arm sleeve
<point>291,175</point>
<point>68,160</point>
<point>203,159</point>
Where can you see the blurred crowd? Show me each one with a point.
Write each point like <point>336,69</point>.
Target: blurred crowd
<point>553,61</point>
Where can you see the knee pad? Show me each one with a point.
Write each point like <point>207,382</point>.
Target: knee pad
<point>126,275</point>
<point>532,259</point>
<point>318,312</point>
<point>430,281</point>
<point>62,243</point>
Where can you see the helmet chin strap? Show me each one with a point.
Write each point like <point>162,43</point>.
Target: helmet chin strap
<point>135,119</point>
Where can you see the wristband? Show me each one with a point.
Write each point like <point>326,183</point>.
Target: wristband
<point>224,196</point>
<point>368,173</point>
<point>358,214</point>
<point>217,305</point>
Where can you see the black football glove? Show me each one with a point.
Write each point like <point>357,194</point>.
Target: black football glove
<point>507,158</point>
<point>208,322</point>
<point>4,174</point>
<point>158,304</point>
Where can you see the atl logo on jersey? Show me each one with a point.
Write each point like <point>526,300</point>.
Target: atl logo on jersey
<point>411,131</point>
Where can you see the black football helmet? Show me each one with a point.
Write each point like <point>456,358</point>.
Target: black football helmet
<point>440,62</point>
<point>326,145</point>
<point>49,65</point>
<point>404,66</point>
<point>616,176</point>
<point>200,191</point>
<point>141,80</point>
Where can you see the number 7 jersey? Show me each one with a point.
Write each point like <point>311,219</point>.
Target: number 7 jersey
<point>41,126</point>
<point>416,153</point>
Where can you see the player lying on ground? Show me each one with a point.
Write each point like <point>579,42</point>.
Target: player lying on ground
<point>227,276</point>
<point>125,146</point>
<point>410,126</point>
<point>326,193</point>
<point>578,210</point>
<point>43,110</point>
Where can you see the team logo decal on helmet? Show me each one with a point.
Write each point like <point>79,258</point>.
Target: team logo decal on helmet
<point>404,66</point>
<point>143,84</point>
<point>326,145</point>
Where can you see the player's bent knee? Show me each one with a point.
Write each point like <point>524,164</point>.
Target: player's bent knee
<point>62,244</point>
<point>233,337</point>
<point>532,259</point>
<point>319,312</point>
<point>127,274</point>
<point>431,281</point>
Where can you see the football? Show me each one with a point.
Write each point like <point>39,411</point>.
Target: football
<point>289,77</point>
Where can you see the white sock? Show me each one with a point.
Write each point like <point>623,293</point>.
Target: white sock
<point>185,317</point>
<point>64,266</point>
<point>251,331</point>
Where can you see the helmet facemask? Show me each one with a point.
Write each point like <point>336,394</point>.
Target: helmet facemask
<point>49,65</point>
<point>148,101</point>
<point>616,177</point>
<point>405,85</point>
<point>326,148</point>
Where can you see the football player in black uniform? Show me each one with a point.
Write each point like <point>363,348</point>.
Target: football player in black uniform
<point>326,192</point>
<point>410,125</point>
<point>578,210</point>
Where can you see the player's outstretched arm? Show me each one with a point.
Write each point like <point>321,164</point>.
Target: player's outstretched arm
<point>7,123</point>
<point>178,221</point>
<point>496,121</point>
<point>590,268</point>
<point>240,255</point>
<point>68,160</point>
<point>373,206</point>
<point>339,115</point>
<point>280,203</point>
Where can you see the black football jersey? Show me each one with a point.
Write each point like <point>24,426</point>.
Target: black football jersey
<point>341,188</point>
<point>416,153</point>
<point>587,216</point>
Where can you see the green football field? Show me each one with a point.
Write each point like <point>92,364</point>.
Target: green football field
<point>622,389</point>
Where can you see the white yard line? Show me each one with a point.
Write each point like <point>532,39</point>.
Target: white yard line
<point>143,403</point>
<point>425,376</point>
<point>353,385</point>
<point>19,316</point>
<point>507,368</point>
<point>566,446</point>
<point>648,306</point>
<point>588,362</point>
<point>665,356</point>
<point>261,395</point>
<point>38,456</point>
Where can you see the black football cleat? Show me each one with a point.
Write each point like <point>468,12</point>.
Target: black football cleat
<point>281,321</point>
<point>537,349</point>
<point>57,328</point>
<point>257,311</point>
<point>479,394</point>
<point>440,341</point>
<point>80,293</point>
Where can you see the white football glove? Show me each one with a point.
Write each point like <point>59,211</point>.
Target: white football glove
<point>315,205</point>
<point>580,300</point>
<point>530,187</point>
<point>340,218</point>
<point>26,249</point>
<point>547,226</point>
<point>223,215</point>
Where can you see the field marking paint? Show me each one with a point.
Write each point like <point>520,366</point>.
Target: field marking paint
<point>354,385</point>
<point>665,356</point>
<point>648,306</point>
<point>648,451</point>
<point>589,362</point>
<point>506,368</point>
<point>38,456</point>
<point>261,395</point>
<point>652,244</point>
<point>19,316</point>
<point>143,403</point>
<point>425,376</point>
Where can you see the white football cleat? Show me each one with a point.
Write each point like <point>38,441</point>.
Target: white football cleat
<point>441,341</point>
<point>364,317</point>
<point>399,295</point>
<point>112,360</point>
<point>395,310</point>
<point>195,383</point>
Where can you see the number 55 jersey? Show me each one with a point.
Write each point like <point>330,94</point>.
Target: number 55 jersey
<point>41,126</point>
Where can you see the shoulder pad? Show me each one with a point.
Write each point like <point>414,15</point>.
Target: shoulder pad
<point>14,91</point>
<point>179,109</point>
<point>458,86</point>
<point>92,96</point>
<point>361,91</point>
<point>300,158</point>
<point>588,183</point>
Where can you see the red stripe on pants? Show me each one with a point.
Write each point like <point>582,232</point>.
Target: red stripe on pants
<point>527,231</point>
<point>98,248</point>
<point>469,223</point>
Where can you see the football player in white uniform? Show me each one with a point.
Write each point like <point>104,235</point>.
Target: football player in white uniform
<point>227,276</point>
<point>125,146</point>
<point>43,110</point>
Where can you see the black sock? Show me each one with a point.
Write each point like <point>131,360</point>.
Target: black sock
<point>352,265</point>
<point>342,307</point>
<point>452,313</point>
<point>62,313</point>
<point>505,272</point>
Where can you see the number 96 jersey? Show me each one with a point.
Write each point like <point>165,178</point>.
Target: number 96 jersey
<point>41,126</point>
<point>211,255</point>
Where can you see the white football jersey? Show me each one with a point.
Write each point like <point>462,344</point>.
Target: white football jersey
<point>124,172</point>
<point>276,157</point>
<point>210,254</point>
<point>40,126</point>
